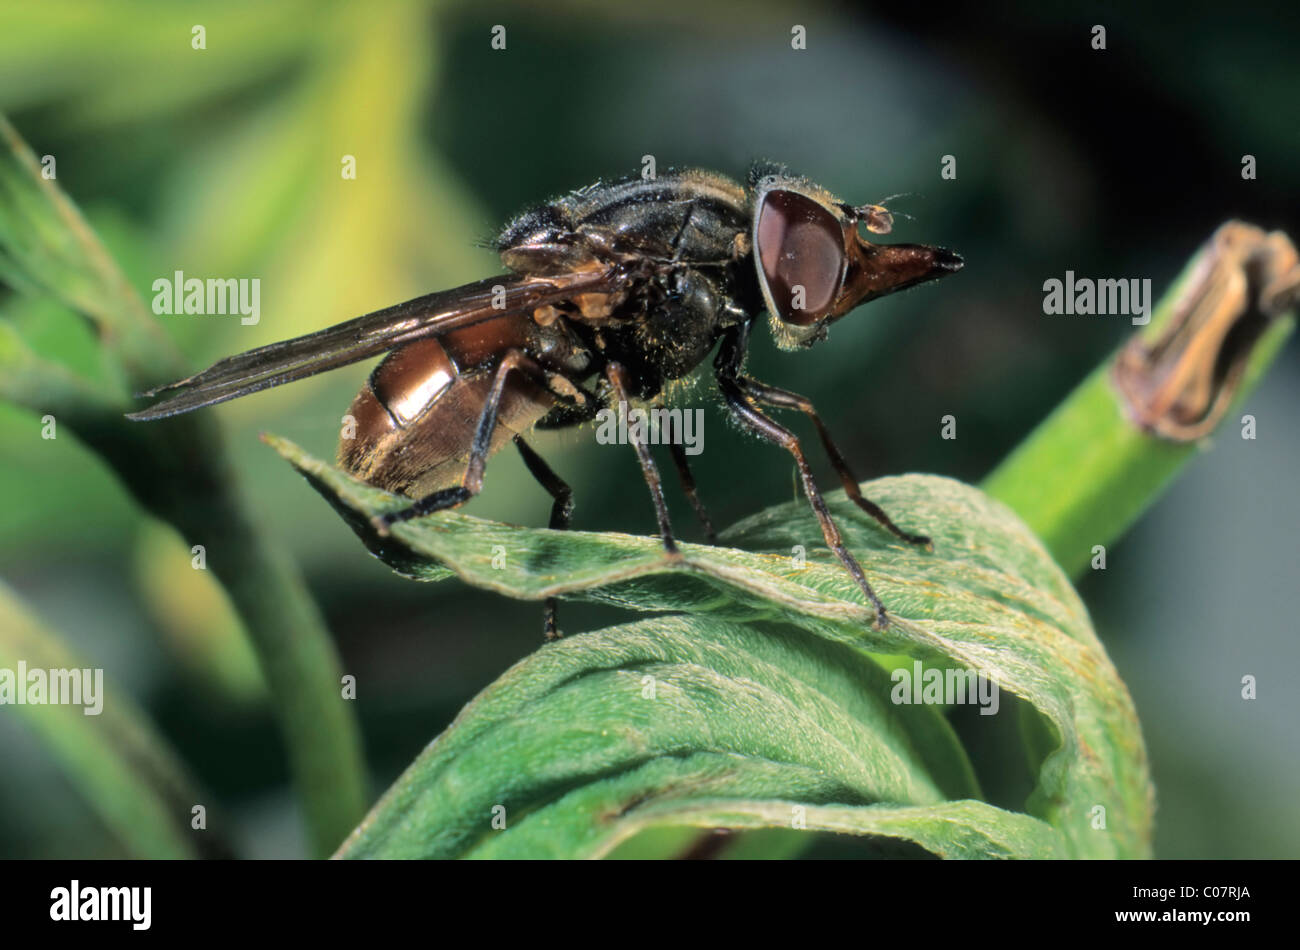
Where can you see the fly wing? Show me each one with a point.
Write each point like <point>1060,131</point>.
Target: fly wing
<point>363,337</point>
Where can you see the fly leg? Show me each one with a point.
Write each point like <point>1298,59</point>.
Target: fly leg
<point>731,356</point>
<point>561,511</point>
<point>617,376</point>
<point>688,487</point>
<point>784,399</point>
<point>472,483</point>
<point>753,419</point>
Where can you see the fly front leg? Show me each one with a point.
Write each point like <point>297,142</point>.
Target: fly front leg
<point>753,419</point>
<point>727,370</point>
<point>784,399</point>
<point>617,376</point>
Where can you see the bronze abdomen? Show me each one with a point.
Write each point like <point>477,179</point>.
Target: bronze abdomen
<point>415,419</point>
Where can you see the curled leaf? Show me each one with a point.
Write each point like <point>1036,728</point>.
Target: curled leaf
<point>761,689</point>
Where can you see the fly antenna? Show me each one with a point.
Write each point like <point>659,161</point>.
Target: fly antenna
<point>878,218</point>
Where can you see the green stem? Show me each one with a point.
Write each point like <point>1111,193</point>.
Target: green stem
<point>1087,473</point>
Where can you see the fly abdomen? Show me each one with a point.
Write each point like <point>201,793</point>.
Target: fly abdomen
<point>413,423</point>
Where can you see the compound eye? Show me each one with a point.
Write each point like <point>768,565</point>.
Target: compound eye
<point>800,249</point>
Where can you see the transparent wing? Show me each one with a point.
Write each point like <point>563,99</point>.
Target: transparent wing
<point>363,337</point>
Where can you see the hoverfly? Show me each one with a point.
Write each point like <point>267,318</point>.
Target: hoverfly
<point>615,290</point>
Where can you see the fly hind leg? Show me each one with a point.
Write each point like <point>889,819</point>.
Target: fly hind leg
<point>561,512</point>
<point>472,483</point>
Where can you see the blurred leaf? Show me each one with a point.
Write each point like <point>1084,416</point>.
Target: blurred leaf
<point>46,248</point>
<point>196,618</point>
<point>765,687</point>
<point>177,470</point>
<point>404,225</point>
<point>124,769</point>
<point>122,61</point>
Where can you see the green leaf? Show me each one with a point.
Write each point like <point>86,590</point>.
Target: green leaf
<point>959,829</point>
<point>762,688</point>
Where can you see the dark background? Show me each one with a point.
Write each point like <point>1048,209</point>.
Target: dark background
<point>1113,163</point>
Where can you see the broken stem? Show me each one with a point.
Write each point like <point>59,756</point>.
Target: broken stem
<point>1107,452</point>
